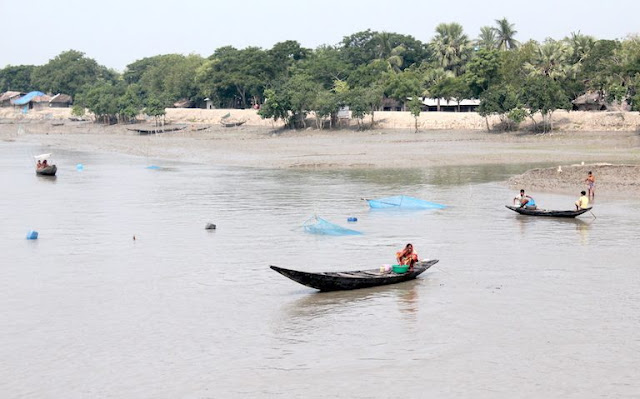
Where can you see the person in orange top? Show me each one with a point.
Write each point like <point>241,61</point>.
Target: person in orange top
<point>407,256</point>
<point>591,185</point>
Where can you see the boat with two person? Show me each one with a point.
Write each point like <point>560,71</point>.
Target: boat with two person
<point>43,165</point>
<point>527,206</point>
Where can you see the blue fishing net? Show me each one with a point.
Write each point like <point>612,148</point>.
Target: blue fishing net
<point>317,225</point>
<point>403,202</point>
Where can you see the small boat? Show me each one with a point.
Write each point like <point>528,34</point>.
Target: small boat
<point>351,280</point>
<point>48,170</point>
<point>547,212</point>
<point>231,124</point>
<point>157,129</point>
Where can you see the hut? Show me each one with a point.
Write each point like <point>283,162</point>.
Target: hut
<point>184,103</point>
<point>32,100</point>
<point>60,101</point>
<point>590,101</point>
<point>390,104</point>
<point>208,104</point>
<point>6,97</point>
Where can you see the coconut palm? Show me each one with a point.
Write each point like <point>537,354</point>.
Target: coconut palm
<point>385,51</point>
<point>487,38</point>
<point>451,47</point>
<point>505,33</point>
<point>579,46</point>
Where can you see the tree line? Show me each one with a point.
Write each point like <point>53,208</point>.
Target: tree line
<point>511,79</point>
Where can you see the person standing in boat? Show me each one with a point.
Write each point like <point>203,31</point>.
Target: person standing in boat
<point>407,256</point>
<point>583,201</point>
<point>591,185</point>
<point>526,201</point>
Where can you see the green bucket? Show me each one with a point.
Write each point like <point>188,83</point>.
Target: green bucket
<point>400,268</point>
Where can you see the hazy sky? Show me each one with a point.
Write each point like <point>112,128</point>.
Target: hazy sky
<point>117,32</point>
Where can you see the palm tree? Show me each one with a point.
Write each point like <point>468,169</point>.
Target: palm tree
<point>550,60</point>
<point>579,46</point>
<point>505,33</point>
<point>451,47</point>
<point>392,55</point>
<point>487,38</point>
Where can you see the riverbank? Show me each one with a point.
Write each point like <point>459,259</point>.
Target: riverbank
<point>562,120</point>
<point>264,147</point>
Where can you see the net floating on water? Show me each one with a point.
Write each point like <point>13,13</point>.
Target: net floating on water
<point>317,225</point>
<point>403,202</point>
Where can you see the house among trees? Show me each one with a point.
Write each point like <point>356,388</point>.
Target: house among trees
<point>32,100</point>
<point>6,97</point>
<point>452,105</point>
<point>591,101</point>
<point>60,101</point>
<point>184,103</point>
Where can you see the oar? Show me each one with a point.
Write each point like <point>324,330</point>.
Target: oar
<point>594,216</point>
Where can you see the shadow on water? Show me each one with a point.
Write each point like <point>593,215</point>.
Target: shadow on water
<point>319,304</point>
<point>581,226</point>
<point>48,179</point>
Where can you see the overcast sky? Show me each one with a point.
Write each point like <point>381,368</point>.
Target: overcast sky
<point>118,32</point>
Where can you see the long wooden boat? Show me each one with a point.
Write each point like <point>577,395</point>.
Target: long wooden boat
<point>158,129</point>
<point>48,171</point>
<point>548,213</point>
<point>351,280</point>
<point>231,124</point>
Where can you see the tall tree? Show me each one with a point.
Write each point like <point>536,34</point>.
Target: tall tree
<point>16,78</point>
<point>506,33</point>
<point>233,77</point>
<point>487,38</point>
<point>451,47</point>
<point>68,72</point>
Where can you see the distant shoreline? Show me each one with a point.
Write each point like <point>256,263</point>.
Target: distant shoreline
<point>266,147</point>
<point>563,121</point>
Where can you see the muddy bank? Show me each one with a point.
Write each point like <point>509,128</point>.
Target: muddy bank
<point>562,120</point>
<point>610,179</point>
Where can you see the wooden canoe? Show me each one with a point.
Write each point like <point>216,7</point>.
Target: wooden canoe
<point>48,171</point>
<point>351,280</point>
<point>547,212</point>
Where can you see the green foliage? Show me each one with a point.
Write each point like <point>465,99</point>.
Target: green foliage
<point>167,78</point>
<point>415,106</point>
<point>233,76</point>
<point>451,47</point>
<point>290,81</point>
<point>483,71</point>
<point>16,78</point>
<point>68,72</point>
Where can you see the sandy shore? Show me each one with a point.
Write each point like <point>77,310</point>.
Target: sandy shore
<point>264,147</point>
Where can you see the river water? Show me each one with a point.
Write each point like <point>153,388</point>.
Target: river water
<point>517,307</point>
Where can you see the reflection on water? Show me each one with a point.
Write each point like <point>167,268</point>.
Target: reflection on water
<point>561,229</point>
<point>204,309</point>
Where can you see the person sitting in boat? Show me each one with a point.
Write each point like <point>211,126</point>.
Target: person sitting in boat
<point>44,164</point>
<point>39,165</point>
<point>526,201</point>
<point>583,201</point>
<point>407,256</point>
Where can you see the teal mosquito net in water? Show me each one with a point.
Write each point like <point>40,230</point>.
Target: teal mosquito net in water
<point>317,225</point>
<point>403,202</point>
